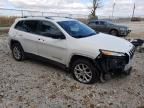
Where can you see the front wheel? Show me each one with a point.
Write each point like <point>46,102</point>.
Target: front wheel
<point>84,71</point>
<point>114,32</point>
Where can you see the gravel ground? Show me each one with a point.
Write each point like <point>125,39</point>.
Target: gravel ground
<point>32,84</point>
<point>137,29</point>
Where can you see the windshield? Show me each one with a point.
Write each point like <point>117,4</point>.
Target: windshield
<point>77,29</point>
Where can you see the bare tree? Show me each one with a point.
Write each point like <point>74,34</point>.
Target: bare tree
<point>95,5</point>
<point>133,11</point>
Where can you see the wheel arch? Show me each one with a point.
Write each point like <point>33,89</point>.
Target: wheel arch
<point>114,29</point>
<point>76,57</point>
<point>12,42</point>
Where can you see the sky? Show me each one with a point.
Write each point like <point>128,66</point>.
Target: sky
<point>123,8</point>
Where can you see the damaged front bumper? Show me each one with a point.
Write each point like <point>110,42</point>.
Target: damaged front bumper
<point>115,64</point>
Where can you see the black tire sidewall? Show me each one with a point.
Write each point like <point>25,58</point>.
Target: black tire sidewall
<point>90,65</point>
<point>116,32</point>
<point>21,51</point>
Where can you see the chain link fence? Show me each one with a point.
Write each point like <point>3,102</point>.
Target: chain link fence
<point>22,12</point>
<point>7,16</point>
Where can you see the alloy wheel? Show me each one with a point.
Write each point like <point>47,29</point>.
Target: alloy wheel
<point>16,53</point>
<point>83,73</point>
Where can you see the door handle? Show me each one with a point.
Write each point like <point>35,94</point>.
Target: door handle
<point>41,40</point>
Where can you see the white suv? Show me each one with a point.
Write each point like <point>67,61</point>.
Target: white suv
<point>89,55</point>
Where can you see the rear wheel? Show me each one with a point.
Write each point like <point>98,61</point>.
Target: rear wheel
<point>17,52</point>
<point>84,71</point>
<point>114,32</point>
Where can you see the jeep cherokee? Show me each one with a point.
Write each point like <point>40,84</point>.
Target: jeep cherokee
<point>88,55</point>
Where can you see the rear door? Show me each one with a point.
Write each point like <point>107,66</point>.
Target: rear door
<point>26,33</point>
<point>97,26</point>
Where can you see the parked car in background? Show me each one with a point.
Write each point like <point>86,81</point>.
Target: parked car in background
<point>109,28</point>
<point>136,19</point>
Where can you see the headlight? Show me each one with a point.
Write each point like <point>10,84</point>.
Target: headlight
<point>111,53</point>
<point>122,29</point>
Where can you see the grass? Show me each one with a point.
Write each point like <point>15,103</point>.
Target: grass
<point>5,25</point>
<point>3,32</point>
<point>6,21</point>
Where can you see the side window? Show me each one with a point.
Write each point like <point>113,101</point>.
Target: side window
<point>91,22</point>
<point>49,30</point>
<point>31,26</point>
<point>19,26</point>
<point>27,26</point>
<point>97,23</point>
<point>102,23</point>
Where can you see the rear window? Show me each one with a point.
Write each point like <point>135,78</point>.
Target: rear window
<point>19,26</point>
<point>31,25</point>
<point>27,26</point>
<point>102,23</point>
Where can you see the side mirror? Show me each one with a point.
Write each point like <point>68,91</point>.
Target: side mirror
<point>62,36</point>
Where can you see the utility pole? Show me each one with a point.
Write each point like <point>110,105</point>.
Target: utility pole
<point>113,9</point>
<point>22,13</point>
<point>42,13</point>
<point>134,7</point>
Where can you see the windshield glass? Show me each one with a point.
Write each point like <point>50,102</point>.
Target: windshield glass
<point>77,29</point>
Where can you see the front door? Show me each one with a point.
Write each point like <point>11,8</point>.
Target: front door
<point>102,27</point>
<point>50,46</point>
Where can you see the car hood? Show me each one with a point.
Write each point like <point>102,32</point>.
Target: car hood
<point>105,42</point>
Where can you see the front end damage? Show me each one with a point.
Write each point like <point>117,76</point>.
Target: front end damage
<point>108,64</point>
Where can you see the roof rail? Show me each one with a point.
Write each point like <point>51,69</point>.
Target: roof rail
<point>24,16</point>
<point>47,17</point>
<point>31,16</point>
<point>69,17</point>
<point>60,17</point>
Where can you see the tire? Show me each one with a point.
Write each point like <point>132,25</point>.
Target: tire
<point>114,32</point>
<point>18,52</point>
<point>128,72</point>
<point>105,77</point>
<point>84,71</point>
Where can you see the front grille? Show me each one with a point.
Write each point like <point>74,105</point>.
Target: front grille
<point>131,52</point>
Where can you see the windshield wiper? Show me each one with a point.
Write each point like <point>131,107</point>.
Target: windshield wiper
<point>83,36</point>
<point>79,36</point>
